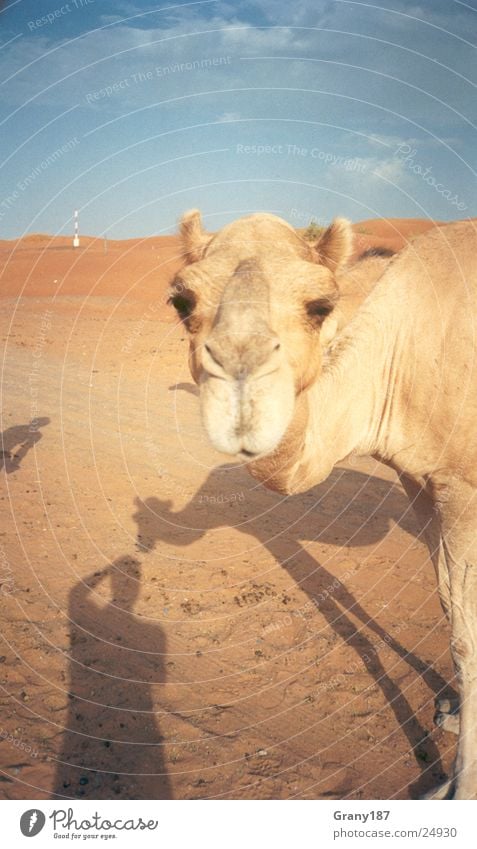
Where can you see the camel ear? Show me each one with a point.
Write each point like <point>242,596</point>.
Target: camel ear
<point>335,246</point>
<point>193,236</point>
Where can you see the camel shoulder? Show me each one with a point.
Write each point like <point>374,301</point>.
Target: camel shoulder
<point>440,262</point>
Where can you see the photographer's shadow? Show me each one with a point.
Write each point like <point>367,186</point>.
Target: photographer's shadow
<point>17,441</point>
<point>334,514</point>
<point>112,746</point>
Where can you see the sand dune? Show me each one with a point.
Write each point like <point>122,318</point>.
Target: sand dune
<point>138,269</point>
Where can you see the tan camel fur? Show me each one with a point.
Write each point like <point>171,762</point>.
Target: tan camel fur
<point>397,382</point>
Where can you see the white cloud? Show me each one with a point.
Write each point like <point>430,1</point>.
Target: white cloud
<point>365,174</point>
<point>229,117</point>
<point>391,170</point>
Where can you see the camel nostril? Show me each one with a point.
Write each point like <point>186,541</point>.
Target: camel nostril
<point>277,347</point>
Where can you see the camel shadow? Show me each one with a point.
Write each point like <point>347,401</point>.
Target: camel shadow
<point>359,524</point>
<point>191,388</point>
<point>112,746</point>
<point>16,442</point>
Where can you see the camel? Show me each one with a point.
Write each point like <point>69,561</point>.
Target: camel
<point>396,382</point>
<point>354,282</point>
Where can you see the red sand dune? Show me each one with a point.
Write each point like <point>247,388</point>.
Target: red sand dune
<point>139,269</point>
<point>391,233</point>
<point>135,268</point>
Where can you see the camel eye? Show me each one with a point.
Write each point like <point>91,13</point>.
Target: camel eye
<point>183,305</point>
<point>184,302</point>
<point>319,309</point>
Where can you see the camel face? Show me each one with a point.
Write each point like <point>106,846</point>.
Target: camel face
<point>253,298</point>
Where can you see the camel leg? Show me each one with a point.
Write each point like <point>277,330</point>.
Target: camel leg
<point>447,721</point>
<point>430,529</point>
<point>464,653</point>
<point>442,791</point>
<point>460,547</point>
<point>447,710</point>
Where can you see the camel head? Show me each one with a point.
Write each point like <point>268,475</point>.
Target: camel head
<point>255,299</point>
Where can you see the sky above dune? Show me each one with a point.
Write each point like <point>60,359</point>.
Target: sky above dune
<point>132,112</point>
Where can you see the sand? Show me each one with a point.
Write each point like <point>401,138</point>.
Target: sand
<point>169,628</point>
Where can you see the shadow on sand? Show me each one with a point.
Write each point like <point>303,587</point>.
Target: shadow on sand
<point>112,745</point>
<point>16,442</point>
<point>339,496</point>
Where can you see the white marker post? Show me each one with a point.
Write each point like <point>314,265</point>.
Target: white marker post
<point>76,235</point>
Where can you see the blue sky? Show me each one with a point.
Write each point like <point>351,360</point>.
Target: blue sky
<point>133,112</point>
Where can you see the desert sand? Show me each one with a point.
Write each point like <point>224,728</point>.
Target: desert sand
<point>170,629</point>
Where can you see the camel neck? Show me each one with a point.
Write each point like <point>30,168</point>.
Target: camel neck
<point>346,411</point>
